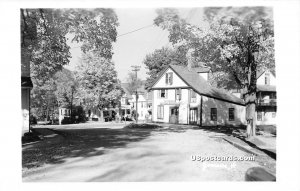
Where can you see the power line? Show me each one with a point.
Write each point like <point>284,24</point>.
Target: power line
<point>126,33</point>
<point>136,30</point>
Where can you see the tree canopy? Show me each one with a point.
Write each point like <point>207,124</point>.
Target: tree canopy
<point>98,83</point>
<point>236,44</point>
<point>44,45</point>
<point>133,82</point>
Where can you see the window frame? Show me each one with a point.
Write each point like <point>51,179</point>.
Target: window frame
<point>231,114</point>
<point>160,92</point>
<point>259,113</point>
<point>169,78</point>
<point>193,96</point>
<point>213,115</point>
<point>178,93</point>
<point>160,112</point>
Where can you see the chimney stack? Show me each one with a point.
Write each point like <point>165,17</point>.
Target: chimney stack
<point>189,59</point>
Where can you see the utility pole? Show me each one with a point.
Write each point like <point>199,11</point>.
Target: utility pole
<point>136,69</point>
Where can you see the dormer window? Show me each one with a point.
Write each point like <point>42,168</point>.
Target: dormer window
<point>169,78</point>
<point>267,78</point>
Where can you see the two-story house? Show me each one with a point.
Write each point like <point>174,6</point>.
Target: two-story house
<point>266,105</point>
<point>144,105</point>
<point>125,109</point>
<point>181,95</point>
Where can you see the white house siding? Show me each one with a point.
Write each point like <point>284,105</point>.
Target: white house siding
<point>268,114</point>
<point>261,79</point>
<point>142,106</point>
<point>177,82</point>
<point>25,94</point>
<point>222,112</point>
<point>267,118</point>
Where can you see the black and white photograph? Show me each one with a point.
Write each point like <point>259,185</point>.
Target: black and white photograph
<point>163,93</point>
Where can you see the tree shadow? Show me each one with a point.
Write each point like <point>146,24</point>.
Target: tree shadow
<point>79,143</point>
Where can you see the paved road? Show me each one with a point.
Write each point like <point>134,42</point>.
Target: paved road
<point>116,154</point>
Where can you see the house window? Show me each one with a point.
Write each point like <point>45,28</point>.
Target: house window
<point>169,78</point>
<point>267,79</point>
<point>123,100</point>
<point>178,94</point>
<point>193,96</point>
<point>160,112</point>
<point>259,116</point>
<point>162,93</point>
<point>231,114</point>
<point>213,114</point>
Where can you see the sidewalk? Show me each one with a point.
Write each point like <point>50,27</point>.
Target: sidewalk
<point>258,145</point>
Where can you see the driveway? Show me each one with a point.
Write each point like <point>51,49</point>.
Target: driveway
<point>117,154</point>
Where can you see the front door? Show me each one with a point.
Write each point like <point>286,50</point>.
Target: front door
<point>193,116</point>
<point>174,111</point>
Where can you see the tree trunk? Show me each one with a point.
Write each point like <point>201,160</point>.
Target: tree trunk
<point>250,98</point>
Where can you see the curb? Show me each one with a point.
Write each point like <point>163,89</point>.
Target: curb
<point>243,148</point>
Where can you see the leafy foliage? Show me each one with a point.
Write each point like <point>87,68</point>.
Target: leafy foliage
<point>133,82</point>
<point>66,87</point>
<point>228,46</point>
<point>98,83</point>
<point>237,43</point>
<point>44,44</point>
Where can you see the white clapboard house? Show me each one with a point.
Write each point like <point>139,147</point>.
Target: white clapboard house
<point>182,95</point>
<point>266,106</point>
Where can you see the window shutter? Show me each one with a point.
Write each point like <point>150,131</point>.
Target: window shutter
<point>166,93</point>
<point>158,93</point>
<point>179,91</point>
<point>166,78</point>
<point>171,78</point>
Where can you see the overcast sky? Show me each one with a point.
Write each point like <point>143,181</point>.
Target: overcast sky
<point>132,48</point>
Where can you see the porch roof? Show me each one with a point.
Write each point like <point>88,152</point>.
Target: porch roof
<point>266,88</point>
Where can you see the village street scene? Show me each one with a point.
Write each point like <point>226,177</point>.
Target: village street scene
<point>148,94</point>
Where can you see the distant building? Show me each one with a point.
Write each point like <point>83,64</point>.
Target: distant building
<point>144,105</point>
<point>266,105</point>
<point>182,95</point>
<point>129,106</point>
<point>125,109</point>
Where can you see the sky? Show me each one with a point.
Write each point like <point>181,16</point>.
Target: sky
<point>131,49</point>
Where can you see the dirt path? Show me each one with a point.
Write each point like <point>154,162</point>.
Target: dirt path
<point>140,155</point>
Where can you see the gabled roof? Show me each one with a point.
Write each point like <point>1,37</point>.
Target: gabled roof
<point>265,88</point>
<point>261,72</point>
<point>200,85</point>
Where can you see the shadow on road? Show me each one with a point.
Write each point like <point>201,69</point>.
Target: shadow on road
<point>79,143</point>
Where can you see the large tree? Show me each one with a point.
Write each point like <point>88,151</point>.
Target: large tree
<point>237,43</point>
<point>44,41</point>
<point>98,83</point>
<point>134,82</point>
